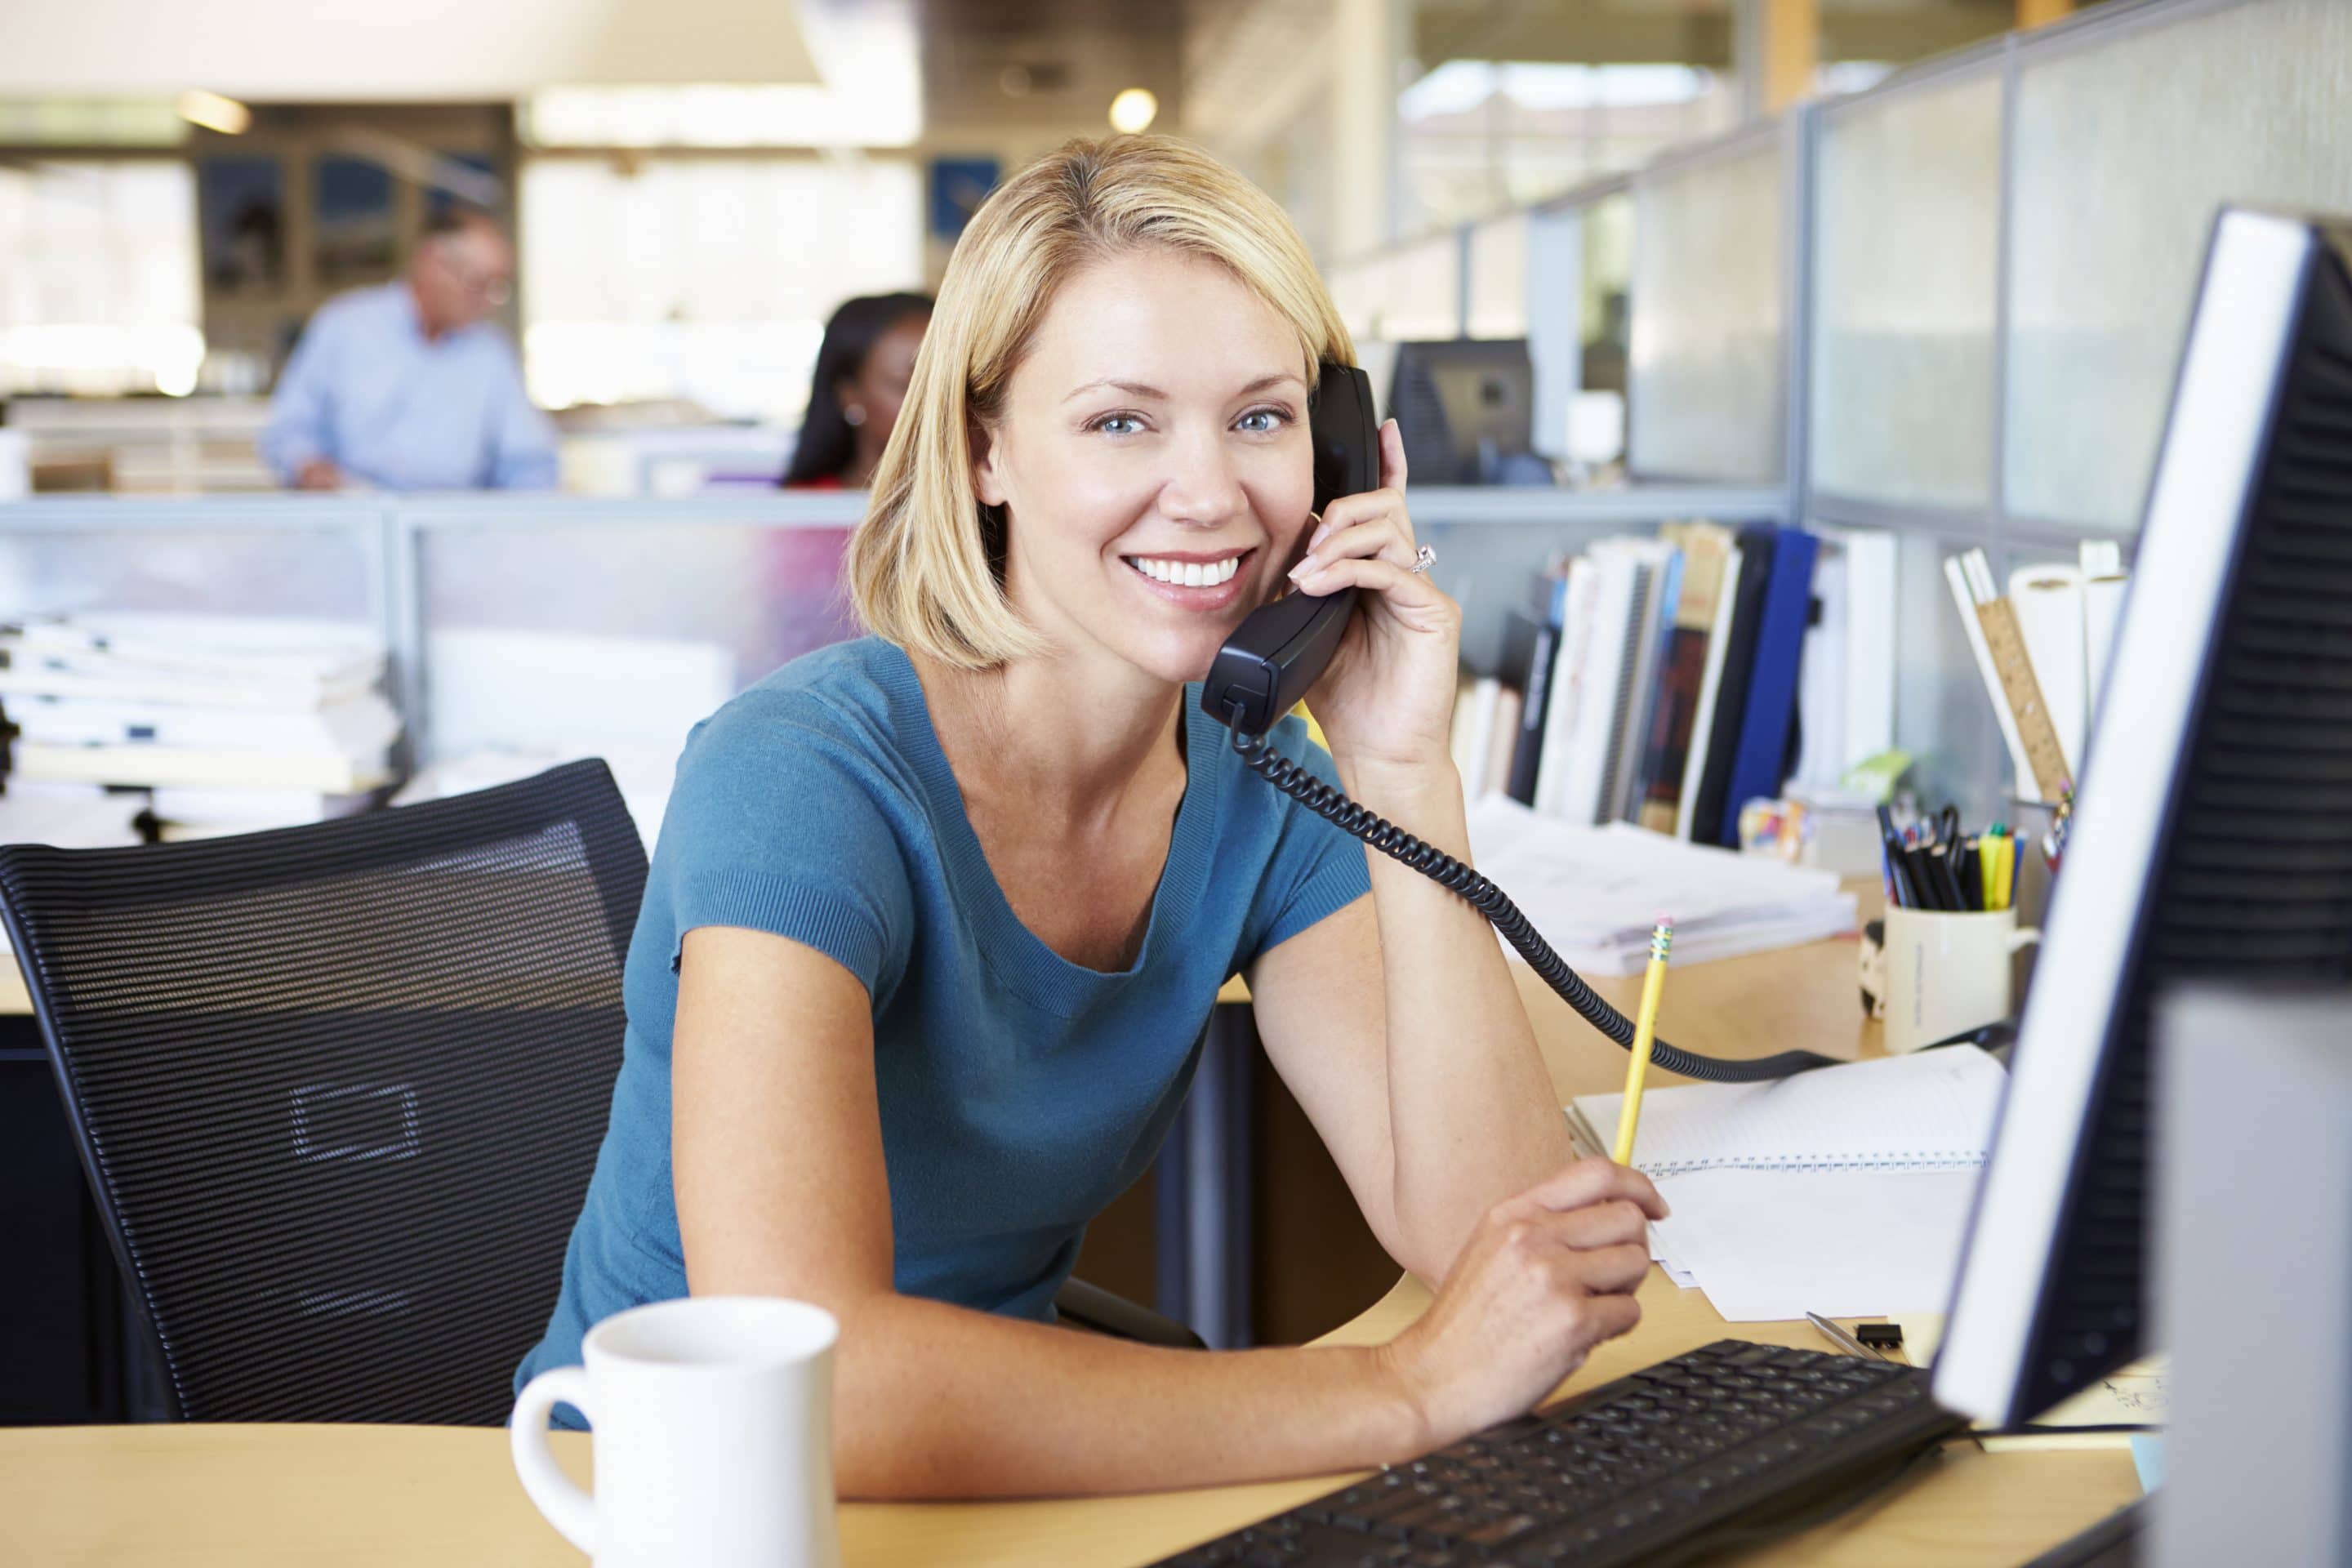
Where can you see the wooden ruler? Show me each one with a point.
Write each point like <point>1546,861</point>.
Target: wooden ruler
<point>2015,668</point>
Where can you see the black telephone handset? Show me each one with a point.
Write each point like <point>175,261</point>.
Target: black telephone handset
<point>1275,654</point>
<point>1266,666</point>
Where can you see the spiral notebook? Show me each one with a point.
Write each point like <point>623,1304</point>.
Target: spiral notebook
<point>1931,1110</point>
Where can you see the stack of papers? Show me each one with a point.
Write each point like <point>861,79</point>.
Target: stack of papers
<point>1844,1191</point>
<point>236,723</point>
<point>1595,893</point>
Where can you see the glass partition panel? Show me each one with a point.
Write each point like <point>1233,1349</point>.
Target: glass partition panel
<point>1553,290</point>
<point>1605,291</point>
<point>1356,289</point>
<point>2125,148</point>
<point>1422,290</point>
<point>102,558</point>
<point>563,635</point>
<point>1706,381</point>
<point>1908,223</point>
<point>1498,277</point>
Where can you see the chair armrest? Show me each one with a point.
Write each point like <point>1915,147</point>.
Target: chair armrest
<point>1091,1307</point>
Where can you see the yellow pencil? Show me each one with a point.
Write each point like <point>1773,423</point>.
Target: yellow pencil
<point>1645,1034</point>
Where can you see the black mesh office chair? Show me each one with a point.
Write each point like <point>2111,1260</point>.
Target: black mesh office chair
<point>338,1088</point>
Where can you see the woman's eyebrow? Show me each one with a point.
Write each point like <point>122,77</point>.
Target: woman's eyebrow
<point>1139,389</point>
<point>1267,383</point>
<point>1132,389</point>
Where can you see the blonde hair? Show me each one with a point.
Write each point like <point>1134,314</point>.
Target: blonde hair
<point>925,566</point>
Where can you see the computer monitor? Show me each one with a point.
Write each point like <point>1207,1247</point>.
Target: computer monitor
<point>1466,410</point>
<point>2212,834</point>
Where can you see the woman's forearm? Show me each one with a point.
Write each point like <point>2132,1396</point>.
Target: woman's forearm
<point>1471,1109</point>
<point>934,1401</point>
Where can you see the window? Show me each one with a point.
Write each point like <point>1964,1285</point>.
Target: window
<point>99,291</point>
<point>708,278</point>
<point>1475,136</point>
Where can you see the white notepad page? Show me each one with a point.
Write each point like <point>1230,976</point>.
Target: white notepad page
<point>1928,1110</point>
<point>1771,1245</point>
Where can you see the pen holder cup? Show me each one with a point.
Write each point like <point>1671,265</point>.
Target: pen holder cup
<point>1947,974</point>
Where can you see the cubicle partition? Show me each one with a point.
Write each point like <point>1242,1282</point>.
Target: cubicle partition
<point>1949,307</point>
<point>512,620</point>
<point>532,621</point>
<point>1717,259</point>
<point>2007,246</point>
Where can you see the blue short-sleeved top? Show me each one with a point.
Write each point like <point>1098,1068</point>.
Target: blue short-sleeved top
<point>1019,1092</point>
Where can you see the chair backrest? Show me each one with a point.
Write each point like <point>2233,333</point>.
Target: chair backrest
<point>338,1088</point>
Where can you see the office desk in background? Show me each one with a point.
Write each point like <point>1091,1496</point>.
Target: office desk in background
<point>369,1497</point>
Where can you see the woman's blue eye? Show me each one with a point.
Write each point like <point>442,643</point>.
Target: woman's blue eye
<point>1264,421</point>
<point>1119,425</point>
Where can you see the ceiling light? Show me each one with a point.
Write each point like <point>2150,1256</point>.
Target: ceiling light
<point>1132,110</point>
<point>213,112</point>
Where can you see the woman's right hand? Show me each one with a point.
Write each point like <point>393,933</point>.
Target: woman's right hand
<point>1546,1275</point>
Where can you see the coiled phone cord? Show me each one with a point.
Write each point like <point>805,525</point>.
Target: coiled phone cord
<point>1490,900</point>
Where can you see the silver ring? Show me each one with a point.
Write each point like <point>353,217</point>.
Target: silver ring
<point>1422,560</point>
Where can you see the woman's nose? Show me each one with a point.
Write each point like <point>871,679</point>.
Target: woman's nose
<point>1202,487</point>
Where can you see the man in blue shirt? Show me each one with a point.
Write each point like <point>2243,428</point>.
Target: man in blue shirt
<point>407,386</point>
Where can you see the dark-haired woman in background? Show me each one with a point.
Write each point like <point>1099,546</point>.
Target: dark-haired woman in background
<point>861,378</point>
<point>862,370</point>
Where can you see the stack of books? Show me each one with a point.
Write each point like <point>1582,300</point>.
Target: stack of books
<point>228,723</point>
<point>1658,688</point>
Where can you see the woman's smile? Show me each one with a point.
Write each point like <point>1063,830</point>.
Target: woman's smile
<point>1199,581</point>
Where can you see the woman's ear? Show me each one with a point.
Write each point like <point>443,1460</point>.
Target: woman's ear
<point>987,477</point>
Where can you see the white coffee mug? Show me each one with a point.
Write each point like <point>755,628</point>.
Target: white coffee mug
<point>713,1423</point>
<point>1948,972</point>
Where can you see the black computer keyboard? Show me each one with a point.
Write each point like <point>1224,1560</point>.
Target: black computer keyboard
<point>1729,1437</point>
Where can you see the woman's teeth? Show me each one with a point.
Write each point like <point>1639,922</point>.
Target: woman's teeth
<point>1187,574</point>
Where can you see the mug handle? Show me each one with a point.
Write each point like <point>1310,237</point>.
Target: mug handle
<point>2025,937</point>
<point>555,1494</point>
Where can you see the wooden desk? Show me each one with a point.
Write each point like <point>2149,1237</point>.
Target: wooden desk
<point>240,1497</point>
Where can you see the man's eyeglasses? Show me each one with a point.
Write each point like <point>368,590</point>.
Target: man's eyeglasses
<point>492,288</point>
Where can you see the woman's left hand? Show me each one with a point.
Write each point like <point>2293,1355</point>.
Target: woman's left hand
<point>1386,700</point>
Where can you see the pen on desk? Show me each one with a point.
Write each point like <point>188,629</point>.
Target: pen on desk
<point>1839,1338</point>
<point>1941,866</point>
<point>1898,874</point>
<point>1645,1035</point>
<point>1924,882</point>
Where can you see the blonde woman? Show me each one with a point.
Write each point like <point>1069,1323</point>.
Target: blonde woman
<point>938,915</point>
